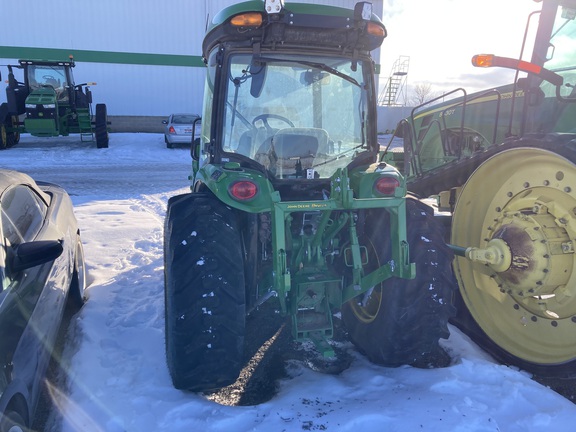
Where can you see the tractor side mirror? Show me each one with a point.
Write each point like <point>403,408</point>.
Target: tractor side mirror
<point>195,147</point>
<point>195,150</point>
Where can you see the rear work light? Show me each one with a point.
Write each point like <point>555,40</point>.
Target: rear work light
<point>243,190</point>
<point>386,185</point>
<point>490,60</point>
<point>375,30</point>
<point>250,19</point>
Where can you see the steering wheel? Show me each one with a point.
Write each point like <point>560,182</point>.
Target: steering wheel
<point>265,117</point>
<point>48,77</point>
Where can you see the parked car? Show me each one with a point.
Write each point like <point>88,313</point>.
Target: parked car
<point>178,129</point>
<point>42,271</point>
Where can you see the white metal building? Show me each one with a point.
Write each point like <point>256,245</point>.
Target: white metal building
<point>128,26</point>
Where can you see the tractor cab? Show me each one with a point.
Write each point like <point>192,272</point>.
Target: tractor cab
<point>52,93</point>
<point>290,97</point>
<point>57,77</point>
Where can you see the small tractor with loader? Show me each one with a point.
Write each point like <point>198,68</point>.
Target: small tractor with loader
<point>502,163</point>
<point>289,203</point>
<point>48,103</point>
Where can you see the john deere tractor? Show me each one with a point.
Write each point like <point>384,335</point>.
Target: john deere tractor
<point>49,103</point>
<point>289,204</point>
<point>502,162</point>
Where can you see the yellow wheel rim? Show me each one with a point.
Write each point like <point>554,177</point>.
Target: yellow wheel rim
<point>524,202</point>
<point>3,136</point>
<point>15,125</point>
<point>367,306</point>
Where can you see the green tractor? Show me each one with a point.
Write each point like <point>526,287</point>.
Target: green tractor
<point>289,203</point>
<point>502,163</point>
<point>51,104</point>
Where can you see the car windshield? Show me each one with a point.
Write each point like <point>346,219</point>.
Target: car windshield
<point>183,119</point>
<point>298,116</point>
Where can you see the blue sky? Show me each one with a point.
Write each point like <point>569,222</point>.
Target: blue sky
<point>441,36</point>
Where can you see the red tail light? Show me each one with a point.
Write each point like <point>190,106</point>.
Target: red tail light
<point>172,130</point>
<point>386,185</point>
<point>243,190</point>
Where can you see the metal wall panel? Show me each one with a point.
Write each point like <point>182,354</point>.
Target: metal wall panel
<point>141,26</point>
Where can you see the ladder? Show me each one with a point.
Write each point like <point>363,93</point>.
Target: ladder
<point>395,83</point>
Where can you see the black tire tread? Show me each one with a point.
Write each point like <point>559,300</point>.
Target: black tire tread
<point>8,139</point>
<point>204,293</point>
<point>101,126</point>
<point>414,313</point>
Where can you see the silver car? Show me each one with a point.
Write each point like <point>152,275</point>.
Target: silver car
<point>178,129</point>
<point>42,273</point>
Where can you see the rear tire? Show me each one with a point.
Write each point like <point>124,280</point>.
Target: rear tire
<point>204,293</point>
<point>8,138</point>
<point>400,321</point>
<point>101,126</point>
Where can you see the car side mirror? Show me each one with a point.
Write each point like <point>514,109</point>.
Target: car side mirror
<point>32,254</point>
<point>164,121</point>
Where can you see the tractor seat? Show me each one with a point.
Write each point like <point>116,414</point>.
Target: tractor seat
<point>291,143</point>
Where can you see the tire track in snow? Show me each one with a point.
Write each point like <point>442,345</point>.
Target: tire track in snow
<point>127,296</point>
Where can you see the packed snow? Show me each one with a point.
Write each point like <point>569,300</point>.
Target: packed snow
<point>117,379</point>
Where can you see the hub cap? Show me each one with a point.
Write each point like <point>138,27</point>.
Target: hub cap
<point>518,211</point>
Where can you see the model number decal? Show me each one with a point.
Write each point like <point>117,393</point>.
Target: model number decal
<point>307,206</point>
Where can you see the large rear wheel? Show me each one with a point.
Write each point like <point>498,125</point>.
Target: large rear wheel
<point>9,133</point>
<point>101,126</point>
<point>519,208</point>
<point>204,293</point>
<point>400,321</point>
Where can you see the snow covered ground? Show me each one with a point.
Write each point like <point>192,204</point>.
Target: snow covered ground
<point>117,376</point>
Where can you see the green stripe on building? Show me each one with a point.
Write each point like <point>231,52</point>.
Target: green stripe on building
<point>11,52</point>
<point>30,53</point>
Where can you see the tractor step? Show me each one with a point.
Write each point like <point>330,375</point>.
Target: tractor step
<point>86,136</point>
<point>322,345</point>
<point>312,319</point>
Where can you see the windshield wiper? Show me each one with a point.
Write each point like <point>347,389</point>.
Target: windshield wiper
<point>314,65</point>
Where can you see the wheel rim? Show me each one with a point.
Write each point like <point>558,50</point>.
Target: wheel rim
<point>366,307</point>
<point>3,137</point>
<point>522,204</point>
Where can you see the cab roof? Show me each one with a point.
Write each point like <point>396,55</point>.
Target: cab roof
<point>297,25</point>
